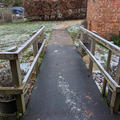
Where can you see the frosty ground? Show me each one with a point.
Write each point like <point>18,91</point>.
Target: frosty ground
<point>17,33</point>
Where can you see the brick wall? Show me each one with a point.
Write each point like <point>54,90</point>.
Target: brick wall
<point>103,16</point>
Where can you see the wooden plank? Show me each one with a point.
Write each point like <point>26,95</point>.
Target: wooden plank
<point>35,50</point>
<point>41,38</point>
<point>108,61</point>
<point>115,102</point>
<point>81,39</point>
<point>109,79</point>
<point>29,74</point>
<point>30,41</point>
<point>8,55</point>
<point>12,49</point>
<point>115,49</point>
<point>93,44</point>
<point>11,91</point>
<point>20,101</point>
<point>16,77</point>
<point>107,69</point>
<point>16,73</point>
<point>117,77</point>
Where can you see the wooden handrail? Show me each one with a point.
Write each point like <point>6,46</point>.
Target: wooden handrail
<point>16,54</point>
<point>28,75</point>
<point>30,41</point>
<point>114,85</point>
<point>101,40</point>
<point>8,55</point>
<point>13,54</point>
<point>11,90</point>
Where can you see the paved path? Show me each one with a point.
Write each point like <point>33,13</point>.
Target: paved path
<point>64,89</point>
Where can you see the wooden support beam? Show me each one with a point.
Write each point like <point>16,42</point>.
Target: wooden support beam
<point>28,75</point>
<point>115,102</point>
<point>107,69</point>
<point>16,77</point>
<point>117,77</point>
<point>93,44</point>
<point>81,39</point>
<point>11,90</point>
<point>35,51</point>
<point>8,55</point>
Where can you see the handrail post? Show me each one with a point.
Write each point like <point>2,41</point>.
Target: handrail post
<point>81,39</point>
<point>35,51</point>
<point>107,69</point>
<point>41,38</point>
<point>117,78</point>
<point>93,44</point>
<point>115,99</point>
<point>115,102</point>
<point>17,80</point>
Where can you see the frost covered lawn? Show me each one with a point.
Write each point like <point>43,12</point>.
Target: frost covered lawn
<point>17,33</point>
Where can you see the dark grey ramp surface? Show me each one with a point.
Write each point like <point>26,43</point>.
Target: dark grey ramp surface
<point>64,89</point>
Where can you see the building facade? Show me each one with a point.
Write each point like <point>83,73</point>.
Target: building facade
<point>103,16</point>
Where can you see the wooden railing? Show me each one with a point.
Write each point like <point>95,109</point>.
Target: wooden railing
<point>114,85</point>
<point>5,15</point>
<point>20,86</point>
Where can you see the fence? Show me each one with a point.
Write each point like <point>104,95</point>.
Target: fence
<point>6,16</point>
<point>114,85</point>
<point>20,87</point>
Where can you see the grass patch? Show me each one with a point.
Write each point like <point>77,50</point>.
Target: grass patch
<point>116,39</point>
<point>16,34</point>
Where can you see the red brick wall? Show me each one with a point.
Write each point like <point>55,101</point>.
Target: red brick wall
<point>103,16</point>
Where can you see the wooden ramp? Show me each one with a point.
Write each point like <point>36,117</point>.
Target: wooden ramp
<point>64,89</point>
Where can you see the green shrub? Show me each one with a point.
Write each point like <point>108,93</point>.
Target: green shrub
<point>116,39</point>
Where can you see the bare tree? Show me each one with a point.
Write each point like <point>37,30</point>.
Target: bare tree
<point>10,3</point>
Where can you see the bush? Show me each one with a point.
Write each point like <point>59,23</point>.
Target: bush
<point>9,3</point>
<point>116,39</point>
<point>18,3</point>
